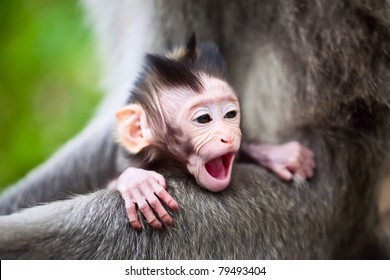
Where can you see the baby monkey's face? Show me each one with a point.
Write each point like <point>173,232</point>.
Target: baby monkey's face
<point>208,123</point>
<point>211,120</point>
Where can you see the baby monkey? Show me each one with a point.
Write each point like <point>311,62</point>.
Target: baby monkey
<point>182,111</point>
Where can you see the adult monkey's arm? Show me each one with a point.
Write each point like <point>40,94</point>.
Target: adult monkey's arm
<point>85,163</point>
<point>257,217</point>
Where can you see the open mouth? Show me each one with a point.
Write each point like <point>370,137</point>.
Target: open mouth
<point>219,167</point>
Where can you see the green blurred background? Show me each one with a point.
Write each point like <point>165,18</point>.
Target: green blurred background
<point>48,81</point>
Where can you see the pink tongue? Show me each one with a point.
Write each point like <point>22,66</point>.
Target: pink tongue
<point>215,168</point>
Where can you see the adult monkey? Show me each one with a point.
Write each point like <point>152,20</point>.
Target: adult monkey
<point>329,58</point>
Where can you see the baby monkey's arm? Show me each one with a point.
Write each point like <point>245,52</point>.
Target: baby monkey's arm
<point>287,161</point>
<point>145,189</point>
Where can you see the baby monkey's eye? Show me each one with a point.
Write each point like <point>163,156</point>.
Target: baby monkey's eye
<point>230,115</point>
<point>203,118</point>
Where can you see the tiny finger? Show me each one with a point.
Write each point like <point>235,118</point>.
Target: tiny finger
<point>166,197</point>
<point>308,170</point>
<point>155,203</point>
<point>149,215</point>
<point>309,164</point>
<point>147,212</point>
<point>283,173</point>
<point>300,174</point>
<point>293,165</point>
<point>161,181</point>
<point>132,216</point>
<point>308,153</point>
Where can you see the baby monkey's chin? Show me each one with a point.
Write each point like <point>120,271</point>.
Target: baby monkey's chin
<point>215,174</point>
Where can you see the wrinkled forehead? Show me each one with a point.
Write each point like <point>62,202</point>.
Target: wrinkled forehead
<point>216,88</point>
<point>215,92</point>
<point>174,101</point>
<point>212,88</point>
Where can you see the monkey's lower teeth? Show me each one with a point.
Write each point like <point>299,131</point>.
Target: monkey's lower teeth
<point>216,168</point>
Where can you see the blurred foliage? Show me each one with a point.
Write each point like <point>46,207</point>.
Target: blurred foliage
<point>48,81</point>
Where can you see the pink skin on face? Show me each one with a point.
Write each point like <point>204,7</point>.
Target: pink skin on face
<point>212,120</point>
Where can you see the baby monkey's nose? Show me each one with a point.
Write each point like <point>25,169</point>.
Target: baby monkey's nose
<point>227,139</point>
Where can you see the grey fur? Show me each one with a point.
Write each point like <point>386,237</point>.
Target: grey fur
<point>234,224</point>
<point>329,65</point>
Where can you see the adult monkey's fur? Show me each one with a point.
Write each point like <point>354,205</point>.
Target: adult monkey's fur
<point>314,71</point>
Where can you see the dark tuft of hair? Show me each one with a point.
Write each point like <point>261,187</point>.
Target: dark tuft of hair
<point>191,52</point>
<point>181,68</point>
<point>174,73</point>
<point>211,62</point>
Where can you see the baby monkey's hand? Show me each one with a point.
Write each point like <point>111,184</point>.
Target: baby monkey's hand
<point>286,161</point>
<point>144,188</point>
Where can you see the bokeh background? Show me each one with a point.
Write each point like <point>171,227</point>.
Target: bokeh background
<point>49,76</point>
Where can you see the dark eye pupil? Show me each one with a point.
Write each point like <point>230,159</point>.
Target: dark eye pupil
<point>231,114</point>
<point>203,118</point>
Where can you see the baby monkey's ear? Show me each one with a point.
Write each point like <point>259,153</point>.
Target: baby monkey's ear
<point>132,128</point>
